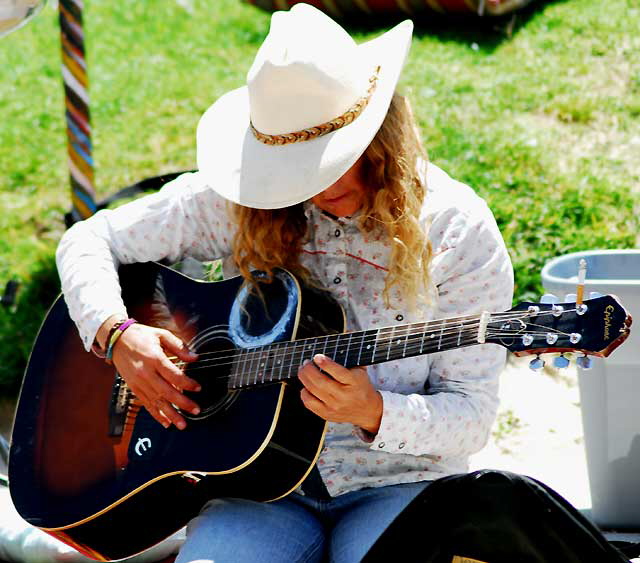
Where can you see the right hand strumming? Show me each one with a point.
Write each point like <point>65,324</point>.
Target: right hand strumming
<point>141,356</point>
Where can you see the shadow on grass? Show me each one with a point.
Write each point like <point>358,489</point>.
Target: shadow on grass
<point>487,32</point>
<point>19,324</point>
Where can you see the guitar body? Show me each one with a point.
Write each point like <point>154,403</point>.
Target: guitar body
<point>88,464</point>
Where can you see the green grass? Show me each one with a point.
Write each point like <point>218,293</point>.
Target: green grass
<point>542,122</point>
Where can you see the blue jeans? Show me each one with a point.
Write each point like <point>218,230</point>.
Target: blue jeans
<point>296,528</point>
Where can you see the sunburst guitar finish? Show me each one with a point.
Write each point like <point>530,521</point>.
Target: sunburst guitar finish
<point>88,464</point>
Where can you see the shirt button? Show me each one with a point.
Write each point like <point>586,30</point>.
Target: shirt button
<point>381,445</point>
<point>337,232</point>
<point>337,279</point>
<point>399,318</point>
<point>401,445</point>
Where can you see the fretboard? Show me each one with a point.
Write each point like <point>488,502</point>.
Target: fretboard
<point>281,361</point>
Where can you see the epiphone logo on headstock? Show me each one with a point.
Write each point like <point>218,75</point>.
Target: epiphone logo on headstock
<point>608,311</point>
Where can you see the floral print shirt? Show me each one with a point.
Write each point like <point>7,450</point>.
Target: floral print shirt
<point>437,409</point>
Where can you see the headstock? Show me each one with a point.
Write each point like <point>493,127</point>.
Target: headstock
<point>596,328</point>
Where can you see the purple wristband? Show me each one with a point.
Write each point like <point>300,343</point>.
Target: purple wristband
<point>126,324</point>
<point>116,334</point>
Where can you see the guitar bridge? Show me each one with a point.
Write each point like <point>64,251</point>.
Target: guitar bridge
<point>118,406</point>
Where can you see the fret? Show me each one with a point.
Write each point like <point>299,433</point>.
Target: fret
<point>310,348</point>
<point>460,333</point>
<point>424,335</point>
<point>406,339</point>
<point>259,373</point>
<point>269,363</point>
<point>347,361</point>
<point>375,345</point>
<point>336,344</point>
<point>324,348</point>
<point>441,333</point>
<point>296,359</point>
<point>235,368</point>
<point>361,345</point>
<point>289,355</point>
<point>248,366</point>
<point>367,347</point>
<point>383,345</point>
<point>281,359</point>
<point>341,354</point>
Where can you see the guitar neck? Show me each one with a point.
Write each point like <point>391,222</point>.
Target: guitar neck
<point>281,361</point>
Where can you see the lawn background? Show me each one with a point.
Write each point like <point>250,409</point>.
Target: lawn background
<point>539,114</point>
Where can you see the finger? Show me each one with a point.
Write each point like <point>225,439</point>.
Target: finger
<point>174,375</point>
<point>335,370</point>
<point>157,386</point>
<point>164,389</point>
<point>175,345</point>
<point>319,384</point>
<point>165,409</point>
<point>314,404</point>
<point>148,403</point>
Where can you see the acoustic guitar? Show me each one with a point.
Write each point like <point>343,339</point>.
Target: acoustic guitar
<point>91,467</point>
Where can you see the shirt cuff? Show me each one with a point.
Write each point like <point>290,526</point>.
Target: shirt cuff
<point>394,431</point>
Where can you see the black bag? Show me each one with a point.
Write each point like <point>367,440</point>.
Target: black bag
<point>492,516</point>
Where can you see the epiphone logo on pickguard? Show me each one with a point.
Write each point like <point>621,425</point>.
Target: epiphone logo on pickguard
<point>142,445</point>
<point>608,312</point>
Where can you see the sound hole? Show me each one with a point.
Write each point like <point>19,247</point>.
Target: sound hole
<point>212,369</point>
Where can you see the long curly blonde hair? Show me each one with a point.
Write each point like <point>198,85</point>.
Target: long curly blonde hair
<point>267,239</point>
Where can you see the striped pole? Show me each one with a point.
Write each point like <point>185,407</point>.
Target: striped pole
<point>74,72</point>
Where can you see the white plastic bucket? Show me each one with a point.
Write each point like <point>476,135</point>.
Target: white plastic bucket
<point>610,391</point>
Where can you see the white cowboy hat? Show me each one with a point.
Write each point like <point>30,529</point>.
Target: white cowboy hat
<point>314,100</point>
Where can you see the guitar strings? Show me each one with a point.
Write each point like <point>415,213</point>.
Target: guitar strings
<point>250,353</point>
<point>412,345</point>
<point>338,348</point>
<point>446,337</point>
<point>296,346</point>
<point>464,342</point>
<point>341,349</point>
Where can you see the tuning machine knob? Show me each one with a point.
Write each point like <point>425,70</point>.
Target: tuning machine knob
<point>536,364</point>
<point>549,299</point>
<point>570,298</point>
<point>595,294</point>
<point>561,362</point>
<point>552,338</point>
<point>585,362</point>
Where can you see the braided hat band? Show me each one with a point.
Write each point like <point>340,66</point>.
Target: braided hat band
<point>323,129</point>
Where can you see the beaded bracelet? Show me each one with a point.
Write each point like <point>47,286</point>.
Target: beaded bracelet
<point>115,333</point>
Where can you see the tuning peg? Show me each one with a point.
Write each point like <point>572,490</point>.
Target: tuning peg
<point>561,362</point>
<point>537,363</point>
<point>595,294</point>
<point>570,298</point>
<point>584,362</point>
<point>549,299</point>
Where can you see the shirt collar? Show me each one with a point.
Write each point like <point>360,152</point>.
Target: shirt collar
<point>312,212</point>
